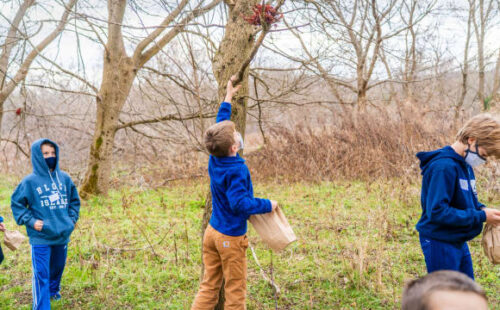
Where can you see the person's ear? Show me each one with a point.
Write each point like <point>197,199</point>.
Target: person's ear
<point>233,149</point>
<point>471,141</point>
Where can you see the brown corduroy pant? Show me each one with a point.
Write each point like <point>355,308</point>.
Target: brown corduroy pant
<point>224,257</point>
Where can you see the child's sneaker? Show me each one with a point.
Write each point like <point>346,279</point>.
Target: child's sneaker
<point>56,296</point>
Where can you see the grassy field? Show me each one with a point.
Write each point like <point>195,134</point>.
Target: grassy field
<point>140,249</point>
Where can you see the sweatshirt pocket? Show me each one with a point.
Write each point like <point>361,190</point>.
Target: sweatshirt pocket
<point>55,227</point>
<point>67,226</point>
<point>48,228</point>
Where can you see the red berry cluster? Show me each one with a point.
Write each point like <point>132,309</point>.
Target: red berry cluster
<point>18,111</point>
<point>265,11</point>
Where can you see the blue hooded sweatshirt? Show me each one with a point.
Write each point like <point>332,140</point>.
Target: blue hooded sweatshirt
<point>232,190</point>
<point>48,196</point>
<point>451,211</point>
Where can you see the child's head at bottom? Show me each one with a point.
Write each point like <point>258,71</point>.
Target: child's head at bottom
<point>222,139</point>
<point>444,290</point>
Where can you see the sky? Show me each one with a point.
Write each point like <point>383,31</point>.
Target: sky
<point>450,30</point>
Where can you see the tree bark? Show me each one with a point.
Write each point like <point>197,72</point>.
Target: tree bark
<point>484,10</point>
<point>465,71</point>
<point>496,82</point>
<point>234,49</point>
<point>118,75</point>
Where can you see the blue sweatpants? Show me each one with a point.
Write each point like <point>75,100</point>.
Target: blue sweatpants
<point>441,255</point>
<point>48,266</point>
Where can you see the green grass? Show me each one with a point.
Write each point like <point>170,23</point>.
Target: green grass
<point>141,249</point>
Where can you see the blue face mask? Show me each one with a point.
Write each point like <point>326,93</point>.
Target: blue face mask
<point>51,162</point>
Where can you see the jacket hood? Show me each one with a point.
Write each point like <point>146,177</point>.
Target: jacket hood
<point>229,161</point>
<point>40,167</point>
<point>426,158</point>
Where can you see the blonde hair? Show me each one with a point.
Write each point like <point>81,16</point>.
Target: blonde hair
<point>219,138</point>
<point>485,128</point>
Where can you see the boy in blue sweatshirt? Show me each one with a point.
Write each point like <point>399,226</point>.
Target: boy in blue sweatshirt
<point>2,229</point>
<point>451,212</point>
<point>47,203</point>
<point>225,242</point>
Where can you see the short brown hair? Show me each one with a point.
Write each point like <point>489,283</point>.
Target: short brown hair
<point>417,292</point>
<point>486,130</point>
<point>219,138</point>
<point>49,144</point>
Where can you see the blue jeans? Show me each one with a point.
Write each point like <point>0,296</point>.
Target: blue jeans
<point>48,266</point>
<point>440,255</point>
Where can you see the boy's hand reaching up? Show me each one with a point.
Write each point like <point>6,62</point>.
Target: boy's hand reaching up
<point>38,225</point>
<point>2,227</point>
<point>492,216</point>
<point>231,90</point>
<point>274,205</point>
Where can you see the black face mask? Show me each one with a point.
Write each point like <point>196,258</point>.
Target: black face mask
<point>51,162</point>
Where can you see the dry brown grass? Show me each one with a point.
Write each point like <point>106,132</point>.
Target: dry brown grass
<point>365,146</point>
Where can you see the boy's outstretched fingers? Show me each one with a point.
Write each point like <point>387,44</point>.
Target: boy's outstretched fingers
<point>230,89</point>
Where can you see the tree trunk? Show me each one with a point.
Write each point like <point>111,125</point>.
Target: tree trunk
<point>496,82</point>
<point>119,74</point>
<point>235,48</point>
<point>3,98</point>
<point>362,90</point>
<point>465,71</point>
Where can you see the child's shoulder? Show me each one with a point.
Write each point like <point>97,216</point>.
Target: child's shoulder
<point>444,164</point>
<point>237,171</point>
<point>66,175</point>
<point>28,178</point>
<point>26,182</point>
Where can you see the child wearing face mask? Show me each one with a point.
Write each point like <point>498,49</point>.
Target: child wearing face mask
<point>47,203</point>
<point>225,242</point>
<point>451,211</point>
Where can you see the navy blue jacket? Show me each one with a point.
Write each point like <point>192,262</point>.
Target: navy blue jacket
<point>48,196</point>
<point>451,211</point>
<point>232,190</point>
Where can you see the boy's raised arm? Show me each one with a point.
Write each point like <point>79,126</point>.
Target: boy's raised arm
<point>224,113</point>
<point>19,205</point>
